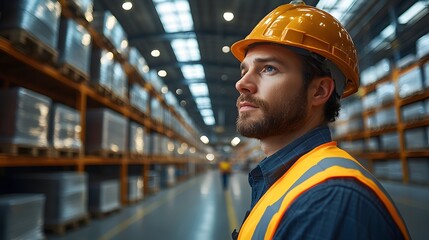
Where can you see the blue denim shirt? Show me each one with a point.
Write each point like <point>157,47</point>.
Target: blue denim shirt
<point>336,209</point>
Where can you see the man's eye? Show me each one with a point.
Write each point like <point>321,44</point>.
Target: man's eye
<point>269,69</point>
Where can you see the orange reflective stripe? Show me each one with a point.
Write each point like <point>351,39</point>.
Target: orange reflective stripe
<point>319,165</point>
<point>330,173</point>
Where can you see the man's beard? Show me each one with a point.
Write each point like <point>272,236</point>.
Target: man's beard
<point>275,120</point>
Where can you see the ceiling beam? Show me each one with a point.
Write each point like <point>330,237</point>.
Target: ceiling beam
<point>186,34</point>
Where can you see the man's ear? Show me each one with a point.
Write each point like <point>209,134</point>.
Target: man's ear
<point>321,89</point>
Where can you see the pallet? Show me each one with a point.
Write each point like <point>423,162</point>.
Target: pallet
<point>28,44</point>
<point>103,90</point>
<point>74,223</point>
<point>99,215</point>
<point>65,153</point>
<point>119,100</point>
<point>73,73</point>
<point>21,149</point>
<point>109,154</point>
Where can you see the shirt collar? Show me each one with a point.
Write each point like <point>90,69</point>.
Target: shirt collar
<point>274,166</point>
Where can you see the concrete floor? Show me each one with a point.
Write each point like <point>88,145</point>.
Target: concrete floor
<point>199,209</point>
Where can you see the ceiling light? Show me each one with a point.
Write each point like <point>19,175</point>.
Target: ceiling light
<point>204,139</point>
<point>206,112</point>
<point>155,53</point>
<point>86,39</point>
<point>162,73</point>
<point>179,91</point>
<point>210,156</point>
<point>225,49</point>
<point>164,89</point>
<point>235,141</point>
<point>192,150</point>
<point>127,5</point>
<point>228,16</point>
<point>416,11</point>
<point>183,103</point>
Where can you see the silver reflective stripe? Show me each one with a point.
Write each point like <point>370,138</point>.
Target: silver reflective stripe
<point>322,165</point>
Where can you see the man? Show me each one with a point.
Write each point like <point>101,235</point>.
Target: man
<point>225,171</point>
<point>296,64</point>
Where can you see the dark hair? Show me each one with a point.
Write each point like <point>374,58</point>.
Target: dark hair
<point>313,68</point>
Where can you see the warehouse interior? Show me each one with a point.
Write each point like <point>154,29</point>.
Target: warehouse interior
<point>115,113</point>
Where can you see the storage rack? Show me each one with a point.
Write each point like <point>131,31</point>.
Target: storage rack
<point>403,154</point>
<point>19,69</point>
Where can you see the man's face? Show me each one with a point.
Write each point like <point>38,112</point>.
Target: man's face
<point>272,98</point>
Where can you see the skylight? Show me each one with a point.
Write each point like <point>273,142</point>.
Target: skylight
<point>195,71</point>
<point>199,89</point>
<point>340,9</point>
<point>186,49</point>
<point>415,12</point>
<point>175,16</point>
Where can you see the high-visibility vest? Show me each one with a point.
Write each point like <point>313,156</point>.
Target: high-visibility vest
<point>325,162</point>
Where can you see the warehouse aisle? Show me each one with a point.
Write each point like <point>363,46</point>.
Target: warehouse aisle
<point>193,210</point>
<point>199,209</point>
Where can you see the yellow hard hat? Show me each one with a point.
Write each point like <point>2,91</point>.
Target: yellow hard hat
<point>306,27</point>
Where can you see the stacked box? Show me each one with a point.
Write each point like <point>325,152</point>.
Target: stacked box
<point>137,135</point>
<point>65,192</point>
<point>86,7</point>
<point>74,45</point>
<point>386,117</point>
<point>40,18</point>
<point>372,144</point>
<point>422,46</point>
<point>168,175</point>
<point>390,141</point>
<point>413,111</point>
<point>138,61</point>
<point>106,131</point>
<point>386,92</point>
<point>416,138</point>
<point>119,81</point>
<point>153,181</point>
<point>21,216</point>
<point>24,117</point>
<point>156,109</point>
<point>106,24</point>
<point>426,73</point>
<point>135,188</point>
<point>388,169</point>
<point>104,196</point>
<point>148,144</point>
<point>139,97</point>
<point>102,65</point>
<point>65,128</point>
<point>410,83</point>
<point>419,169</point>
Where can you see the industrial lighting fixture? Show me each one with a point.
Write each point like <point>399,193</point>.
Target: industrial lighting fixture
<point>127,5</point>
<point>155,53</point>
<point>162,73</point>
<point>204,139</point>
<point>415,12</point>
<point>210,156</point>
<point>235,141</point>
<point>225,49</point>
<point>228,16</point>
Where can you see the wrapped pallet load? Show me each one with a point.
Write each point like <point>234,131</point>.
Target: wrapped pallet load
<point>25,120</point>
<point>21,216</point>
<point>106,132</point>
<point>65,192</point>
<point>31,22</point>
<point>65,130</point>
